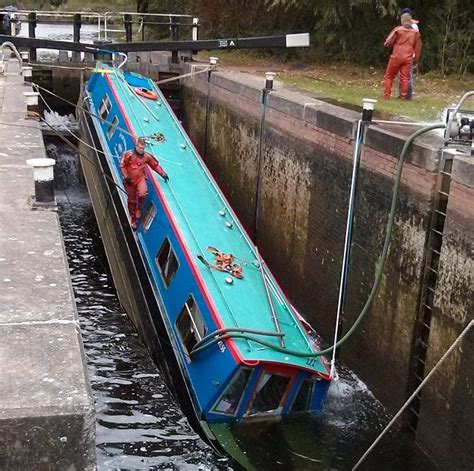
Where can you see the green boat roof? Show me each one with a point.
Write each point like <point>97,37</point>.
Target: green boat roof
<point>205,219</point>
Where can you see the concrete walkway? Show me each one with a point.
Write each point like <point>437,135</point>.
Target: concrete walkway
<point>46,407</point>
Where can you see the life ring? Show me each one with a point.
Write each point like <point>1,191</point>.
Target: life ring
<point>146,93</point>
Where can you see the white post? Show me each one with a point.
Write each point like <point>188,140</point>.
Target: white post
<point>27,74</point>
<point>269,76</point>
<point>367,109</point>
<point>195,29</point>
<point>31,101</point>
<point>43,175</point>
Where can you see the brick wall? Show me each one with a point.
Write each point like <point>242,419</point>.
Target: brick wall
<point>305,185</point>
<point>446,424</point>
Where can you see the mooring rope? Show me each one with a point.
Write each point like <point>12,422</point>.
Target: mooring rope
<point>190,74</point>
<point>417,390</point>
<point>84,110</point>
<point>67,129</point>
<point>92,69</point>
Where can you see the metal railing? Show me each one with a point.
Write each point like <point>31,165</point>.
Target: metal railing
<point>106,22</point>
<point>58,17</point>
<point>174,22</point>
<point>109,22</point>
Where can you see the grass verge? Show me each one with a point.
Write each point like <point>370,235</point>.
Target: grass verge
<point>347,84</point>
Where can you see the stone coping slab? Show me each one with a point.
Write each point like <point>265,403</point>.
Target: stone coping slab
<point>47,418</point>
<point>388,139</point>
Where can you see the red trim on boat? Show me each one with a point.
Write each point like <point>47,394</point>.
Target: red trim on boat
<point>210,304</point>
<point>119,103</point>
<point>281,366</point>
<point>211,177</point>
<point>212,308</point>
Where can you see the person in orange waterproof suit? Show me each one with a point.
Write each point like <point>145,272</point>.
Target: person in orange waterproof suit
<point>133,165</point>
<point>406,44</point>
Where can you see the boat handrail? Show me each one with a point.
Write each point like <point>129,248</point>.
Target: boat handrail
<point>252,338</point>
<point>217,194</point>
<point>273,285</point>
<point>228,332</point>
<point>276,321</point>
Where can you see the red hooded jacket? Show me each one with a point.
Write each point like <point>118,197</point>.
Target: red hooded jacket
<point>133,165</point>
<point>405,41</point>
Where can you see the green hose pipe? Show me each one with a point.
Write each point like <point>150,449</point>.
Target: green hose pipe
<point>378,273</point>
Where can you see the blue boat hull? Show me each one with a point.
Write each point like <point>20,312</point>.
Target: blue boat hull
<point>161,346</point>
<point>217,384</point>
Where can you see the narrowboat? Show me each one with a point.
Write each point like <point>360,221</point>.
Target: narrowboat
<point>238,348</point>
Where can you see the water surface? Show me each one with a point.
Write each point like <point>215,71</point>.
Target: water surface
<point>139,424</point>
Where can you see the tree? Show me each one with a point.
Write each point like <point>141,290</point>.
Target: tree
<point>453,30</point>
<point>142,6</point>
<point>352,30</point>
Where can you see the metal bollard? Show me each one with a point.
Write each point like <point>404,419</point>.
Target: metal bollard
<point>269,76</point>
<point>367,109</point>
<point>43,175</point>
<point>31,101</point>
<point>195,29</point>
<point>27,75</point>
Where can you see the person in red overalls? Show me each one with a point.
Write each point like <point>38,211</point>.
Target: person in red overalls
<point>406,44</point>
<point>133,165</point>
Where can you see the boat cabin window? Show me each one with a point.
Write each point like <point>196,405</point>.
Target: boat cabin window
<point>113,127</point>
<point>269,393</point>
<point>167,262</point>
<point>303,398</point>
<point>148,217</point>
<point>190,324</point>
<point>105,107</point>
<point>229,401</point>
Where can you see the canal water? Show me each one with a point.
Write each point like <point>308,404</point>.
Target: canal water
<point>138,422</point>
